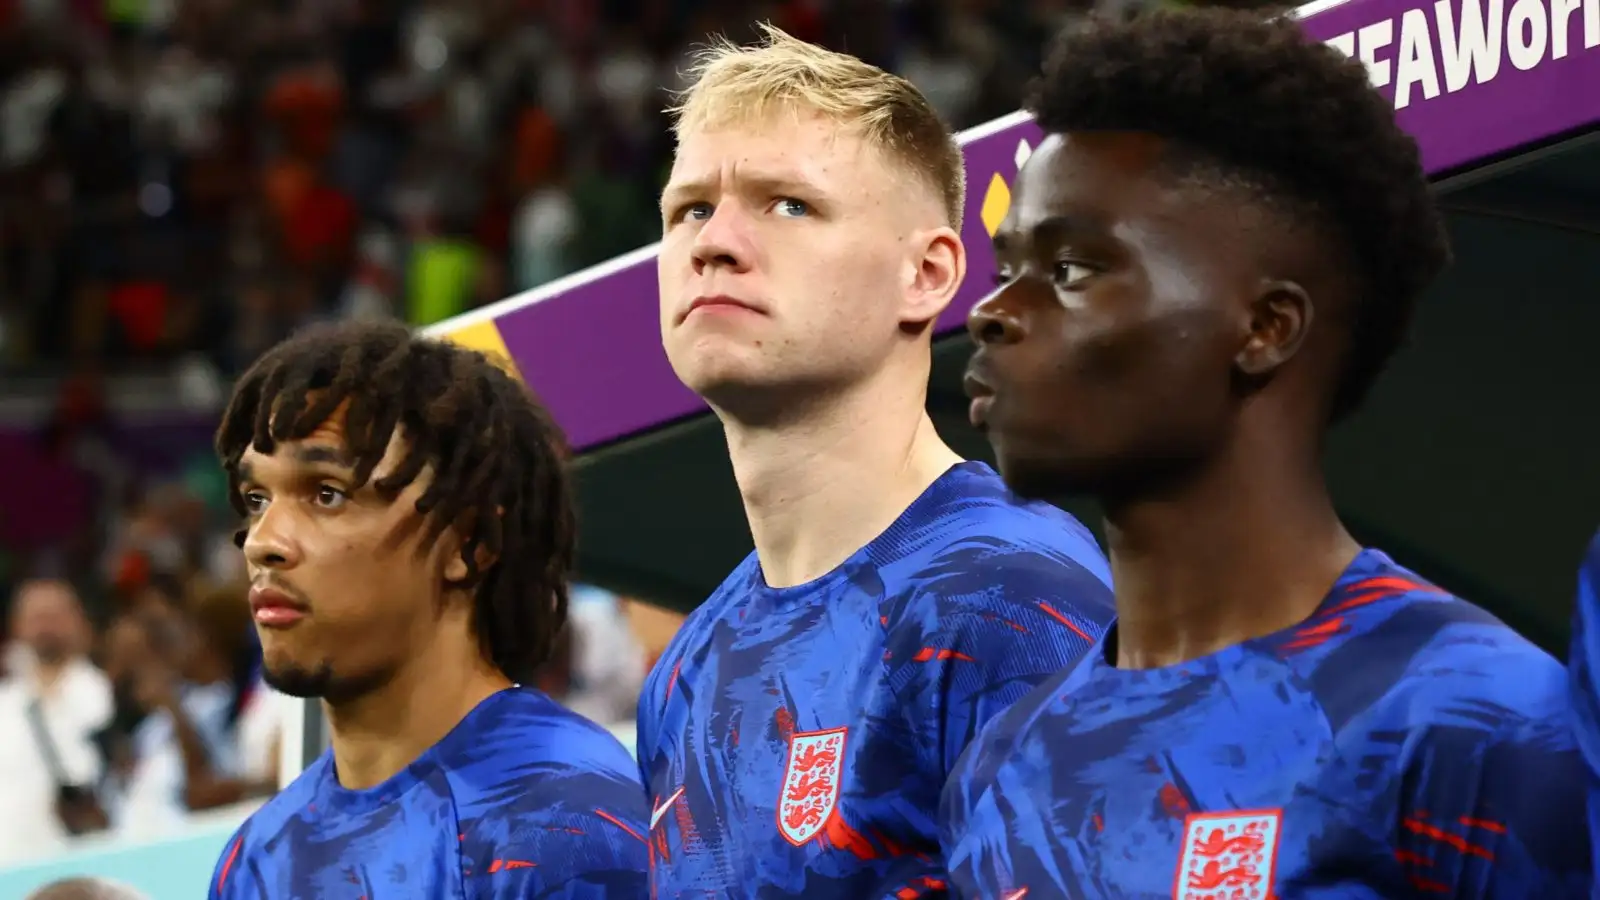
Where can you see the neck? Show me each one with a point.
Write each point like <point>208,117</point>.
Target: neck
<point>378,734</point>
<point>819,488</point>
<point>1249,548</point>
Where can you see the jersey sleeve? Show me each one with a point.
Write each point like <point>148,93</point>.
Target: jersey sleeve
<point>993,827</point>
<point>985,629</point>
<point>647,717</point>
<point>1495,813</point>
<point>580,835</point>
<point>222,875</point>
<point>1583,667</point>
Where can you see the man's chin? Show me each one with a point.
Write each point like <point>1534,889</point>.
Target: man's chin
<point>319,681</point>
<point>305,682</point>
<point>1048,479</point>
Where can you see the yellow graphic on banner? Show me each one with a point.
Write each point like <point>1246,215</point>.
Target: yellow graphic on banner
<point>484,337</point>
<point>996,201</point>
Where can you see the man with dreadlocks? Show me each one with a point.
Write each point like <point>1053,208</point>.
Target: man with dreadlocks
<point>1208,260</point>
<point>409,533</point>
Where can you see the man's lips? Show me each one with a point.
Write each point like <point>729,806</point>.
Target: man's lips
<point>273,608</point>
<point>719,303</point>
<point>977,388</point>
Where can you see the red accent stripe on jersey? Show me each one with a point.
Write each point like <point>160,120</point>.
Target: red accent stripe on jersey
<point>618,822</point>
<point>672,682</point>
<point>1456,841</point>
<point>1329,623</point>
<point>1006,622</point>
<point>227,865</point>
<point>506,865</point>
<point>1316,633</point>
<point>929,654</point>
<point>1369,590</point>
<point>1408,857</point>
<point>1052,613</point>
<point>919,887</point>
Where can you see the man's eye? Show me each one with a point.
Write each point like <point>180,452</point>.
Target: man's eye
<point>1070,274</point>
<point>331,497</point>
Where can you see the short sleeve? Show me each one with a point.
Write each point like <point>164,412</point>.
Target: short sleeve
<point>1496,813</point>
<point>976,638</point>
<point>580,837</point>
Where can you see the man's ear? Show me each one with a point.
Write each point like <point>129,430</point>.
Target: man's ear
<point>934,272</point>
<point>455,570</point>
<point>1280,319</point>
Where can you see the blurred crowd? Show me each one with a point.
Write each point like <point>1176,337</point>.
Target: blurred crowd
<point>163,712</point>
<point>200,176</point>
<point>184,182</point>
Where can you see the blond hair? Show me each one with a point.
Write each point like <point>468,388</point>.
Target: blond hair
<point>730,84</point>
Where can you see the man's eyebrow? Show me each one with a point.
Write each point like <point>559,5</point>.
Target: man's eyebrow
<point>1051,227</point>
<point>314,455</point>
<point>320,454</point>
<point>771,183</point>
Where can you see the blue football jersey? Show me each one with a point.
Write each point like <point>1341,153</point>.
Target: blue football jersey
<point>1584,666</point>
<point>1398,743</point>
<point>795,740</point>
<point>522,799</point>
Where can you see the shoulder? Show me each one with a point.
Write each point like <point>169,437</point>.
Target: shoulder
<point>1025,724</point>
<point>1434,664</point>
<point>532,740</point>
<point>562,792</point>
<point>974,516</point>
<point>998,556</point>
<point>975,529</point>
<point>1478,670</point>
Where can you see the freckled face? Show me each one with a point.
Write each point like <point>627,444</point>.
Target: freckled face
<point>784,256</point>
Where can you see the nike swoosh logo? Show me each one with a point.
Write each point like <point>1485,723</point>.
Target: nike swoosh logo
<point>659,811</point>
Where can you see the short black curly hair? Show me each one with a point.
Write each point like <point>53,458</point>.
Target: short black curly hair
<point>499,462</point>
<point>1251,95</point>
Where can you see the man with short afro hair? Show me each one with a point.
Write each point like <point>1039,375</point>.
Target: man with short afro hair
<point>1208,259</point>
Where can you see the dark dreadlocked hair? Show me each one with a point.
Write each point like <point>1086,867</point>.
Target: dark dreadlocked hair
<point>499,462</point>
<point>1252,97</point>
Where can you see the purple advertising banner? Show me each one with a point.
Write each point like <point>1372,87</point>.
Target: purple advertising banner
<point>1472,80</point>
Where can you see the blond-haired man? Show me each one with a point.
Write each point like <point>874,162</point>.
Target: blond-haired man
<point>796,733</point>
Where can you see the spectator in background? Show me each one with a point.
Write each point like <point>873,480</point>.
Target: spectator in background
<point>598,666</point>
<point>177,667</point>
<point>51,706</point>
<point>259,731</point>
<point>199,179</point>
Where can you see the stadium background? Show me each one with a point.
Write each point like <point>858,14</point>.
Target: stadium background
<point>183,182</point>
